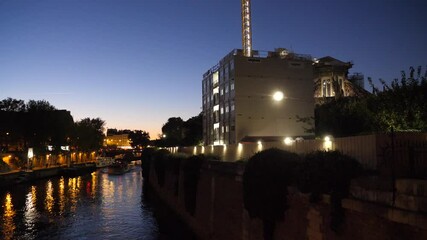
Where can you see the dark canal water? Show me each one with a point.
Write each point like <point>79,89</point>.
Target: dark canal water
<point>93,206</point>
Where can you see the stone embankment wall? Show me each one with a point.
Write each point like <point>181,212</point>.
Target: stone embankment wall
<point>220,214</point>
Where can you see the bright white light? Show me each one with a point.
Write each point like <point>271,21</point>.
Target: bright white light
<point>327,143</point>
<point>278,96</point>
<point>30,153</point>
<point>259,143</point>
<point>288,141</point>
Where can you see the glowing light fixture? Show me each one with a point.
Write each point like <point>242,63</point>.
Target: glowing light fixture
<point>278,96</point>
<point>288,141</point>
<point>327,143</point>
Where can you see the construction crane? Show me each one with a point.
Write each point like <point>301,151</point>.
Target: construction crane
<point>246,28</point>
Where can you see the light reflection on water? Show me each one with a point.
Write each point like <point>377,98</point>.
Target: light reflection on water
<point>94,206</point>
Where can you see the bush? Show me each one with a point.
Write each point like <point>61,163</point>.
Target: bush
<point>265,180</point>
<point>328,173</point>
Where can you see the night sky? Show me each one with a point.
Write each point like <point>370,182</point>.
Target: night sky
<point>134,64</point>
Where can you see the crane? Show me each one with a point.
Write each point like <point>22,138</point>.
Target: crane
<point>246,28</point>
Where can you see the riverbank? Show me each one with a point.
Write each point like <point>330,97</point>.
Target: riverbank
<point>10,179</point>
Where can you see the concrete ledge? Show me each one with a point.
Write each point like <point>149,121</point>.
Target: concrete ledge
<point>418,220</point>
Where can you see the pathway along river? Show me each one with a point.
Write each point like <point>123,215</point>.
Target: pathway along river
<point>92,206</point>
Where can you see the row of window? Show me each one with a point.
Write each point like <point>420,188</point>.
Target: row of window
<point>216,93</point>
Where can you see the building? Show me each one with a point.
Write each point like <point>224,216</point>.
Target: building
<point>118,141</point>
<point>331,80</point>
<point>263,96</point>
<point>238,96</point>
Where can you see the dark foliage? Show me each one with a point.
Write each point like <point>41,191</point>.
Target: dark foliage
<point>177,132</point>
<point>401,105</point>
<point>343,117</point>
<point>88,134</point>
<point>328,173</point>
<point>139,138</point>
<point>265,180</point>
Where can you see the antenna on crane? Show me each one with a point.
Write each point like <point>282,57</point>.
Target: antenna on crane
<point>246,28</point>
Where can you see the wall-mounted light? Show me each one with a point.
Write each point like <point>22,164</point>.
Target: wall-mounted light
<point>327,143</point>
<point>278,96</point>
<point>288,141</point>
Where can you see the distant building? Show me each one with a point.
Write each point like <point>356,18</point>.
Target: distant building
<point>118,141</point>
<point>238,96</point>
<point>331,80</point>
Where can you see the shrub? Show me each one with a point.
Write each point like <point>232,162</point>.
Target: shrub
<point>328,173</point>
<point>265,180</point>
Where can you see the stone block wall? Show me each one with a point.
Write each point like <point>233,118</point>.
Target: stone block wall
<point>220,213</point>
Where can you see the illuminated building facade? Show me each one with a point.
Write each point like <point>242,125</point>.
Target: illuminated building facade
<point>331,80</point>
<point>261,95</point>
<point>118,141</point>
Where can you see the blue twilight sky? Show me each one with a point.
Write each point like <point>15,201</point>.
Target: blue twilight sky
<point>136,63</point>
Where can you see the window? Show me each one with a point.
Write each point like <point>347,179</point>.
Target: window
<point>326,88</point>
<point>232,86</point>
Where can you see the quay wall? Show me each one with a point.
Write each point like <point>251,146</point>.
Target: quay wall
<point>220,213</point>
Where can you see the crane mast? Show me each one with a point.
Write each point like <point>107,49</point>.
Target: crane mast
<point>246,28</point>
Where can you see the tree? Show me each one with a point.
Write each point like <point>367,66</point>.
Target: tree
<point>88,134</point>
<point>39,105</point>
<point>401,105</point>
<point>343,117</point>
<point>139,138</point>
<point>176,132</point>
<point>173,131</point>
<point>12,105</point>
<point>193,130</point>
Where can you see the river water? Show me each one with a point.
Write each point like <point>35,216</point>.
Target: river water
<point>93,206</point>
